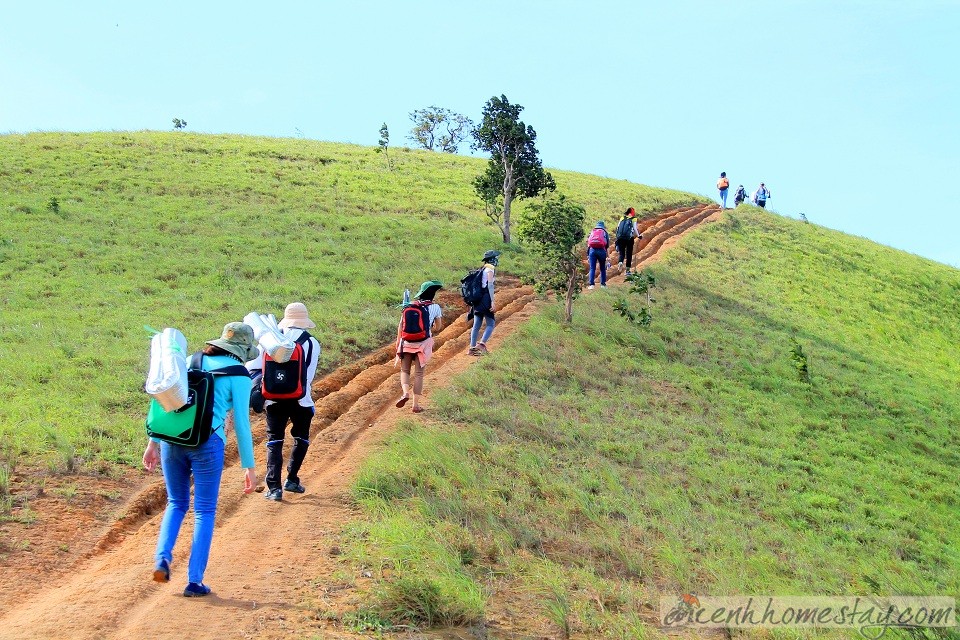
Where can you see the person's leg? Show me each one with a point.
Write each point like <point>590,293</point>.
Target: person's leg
<point>723,198</point>
<point>277,415</point>
<point>622,251</point>
<point>207,464</point>
<point>176,475</point>
<point>405,362</point>
<point>488,331</point>
<point>477,321</point>
<point>592,257</point>
<point>417,382</point>
<point>603,269</point>
<point>628,245</point>
<point>301,417</point>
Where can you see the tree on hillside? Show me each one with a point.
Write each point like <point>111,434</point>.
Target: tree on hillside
<point>436,128</point>
<point>554,230</point>
<point>383,143</point>
<point>179,124</point>
<point>514,170</point>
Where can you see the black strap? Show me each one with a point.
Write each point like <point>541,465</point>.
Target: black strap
<point>196,362</point>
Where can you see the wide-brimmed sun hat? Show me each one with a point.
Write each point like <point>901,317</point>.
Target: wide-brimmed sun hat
<point>237,338</point>
<point>490,255</point>
<point>601,225</point>
<point>295,315</point>
<point>428,289</point>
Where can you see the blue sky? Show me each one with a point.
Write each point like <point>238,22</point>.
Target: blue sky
<point>849,111</point>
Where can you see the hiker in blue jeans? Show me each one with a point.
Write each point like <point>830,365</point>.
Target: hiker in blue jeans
<point>484,309</point>
<point>205,463</point>
<point>597,243</point>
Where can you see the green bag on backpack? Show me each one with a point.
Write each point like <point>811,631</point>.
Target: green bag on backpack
<point>191,424</point>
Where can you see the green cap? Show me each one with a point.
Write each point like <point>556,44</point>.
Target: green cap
<point>428,289</point>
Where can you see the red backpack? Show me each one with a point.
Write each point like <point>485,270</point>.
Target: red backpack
<point>287,380</point>
<point>415,321</point>
<point>598,239</point>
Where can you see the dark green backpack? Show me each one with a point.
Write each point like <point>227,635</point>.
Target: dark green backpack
<point>191,424</point>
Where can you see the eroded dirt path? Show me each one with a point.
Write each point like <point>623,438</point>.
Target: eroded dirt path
<point>266,556</point>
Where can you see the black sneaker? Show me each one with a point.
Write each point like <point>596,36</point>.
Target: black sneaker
<point>274,494</point>
<point>293,485</point>
<point>196,590</point>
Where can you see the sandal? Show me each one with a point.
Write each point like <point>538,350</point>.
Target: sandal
<point>402,401</point>
<point>418,409</point>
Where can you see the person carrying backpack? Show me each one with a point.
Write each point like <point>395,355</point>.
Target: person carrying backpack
<point>484,309</point>
<point>204,463</point>
<point>626,232</point>
<point>415,341</point>
<point>597,243</point>
<point>723,185</point>
<point>288,397</point>
<point>761,196</point>
<point>740,196</point>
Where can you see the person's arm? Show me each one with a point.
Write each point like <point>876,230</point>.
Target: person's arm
<point>240,390</point>
<point>151,455</point>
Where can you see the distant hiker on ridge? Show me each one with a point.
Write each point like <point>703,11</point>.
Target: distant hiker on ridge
<point>597,243</point>
<point>626,232</point>
<point>761,196</point>
<point>288,397</point>
<point>485,308</point>
<point>204,463</point>
<point>740,196</point>
<point>723,184</point>
<point>415,340</point>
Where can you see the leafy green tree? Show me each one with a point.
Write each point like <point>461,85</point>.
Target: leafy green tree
<point>553,228</point>
<point>436,128</point>
<point>179,124</point>
<point>384,143</point>
<point>514,170</point>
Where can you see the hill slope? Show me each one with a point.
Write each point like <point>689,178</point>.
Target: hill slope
<point>586,471</point>
<point>193,231</point>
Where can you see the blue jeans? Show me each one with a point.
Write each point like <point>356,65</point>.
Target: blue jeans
<point>205,464</point>
<point>598,257</point>
<point>477,321</point>
<point>723,197</point>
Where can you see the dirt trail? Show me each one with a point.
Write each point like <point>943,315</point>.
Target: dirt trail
<point>265,555</point>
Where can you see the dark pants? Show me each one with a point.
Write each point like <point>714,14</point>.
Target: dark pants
<point>598,258</point>
<point>762,204</point>
<point>278,414</point>
<point>625,248</point>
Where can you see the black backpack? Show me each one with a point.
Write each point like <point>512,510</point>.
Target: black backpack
<point>471,287</point>
<point>191,424</point>
<point>625,229</point>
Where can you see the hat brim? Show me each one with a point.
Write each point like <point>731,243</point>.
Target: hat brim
<point>289,323</point>
<point>244,353</point>
<point>432,290</point>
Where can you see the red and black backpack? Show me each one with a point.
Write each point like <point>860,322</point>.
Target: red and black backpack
<point>415,321</point>
<point>287,380</point>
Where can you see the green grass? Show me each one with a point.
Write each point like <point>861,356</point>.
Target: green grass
<point>603,464</point>
<point>193,231</point>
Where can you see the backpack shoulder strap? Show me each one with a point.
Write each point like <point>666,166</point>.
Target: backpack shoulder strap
<point>196,361</point>
<point>232,370</point>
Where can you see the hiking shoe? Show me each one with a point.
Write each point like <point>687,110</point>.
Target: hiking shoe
<point>293,485</point>
<point>196,590</point>
<point>483,349</point>
<point>161,573</point>
<point>274,494</point>
<point>590,287</point>
<point>473,351</point>
<point>603,286</point>
<point>628,272</point>
<point>402,401</point>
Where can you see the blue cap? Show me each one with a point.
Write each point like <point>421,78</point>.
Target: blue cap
<point>601,225</point>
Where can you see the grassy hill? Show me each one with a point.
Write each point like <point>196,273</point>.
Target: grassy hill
<point>585,470</point>
<point>101,234</point>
